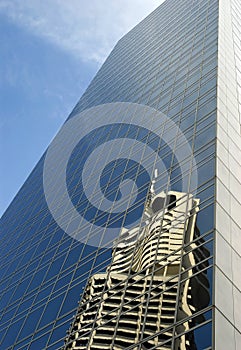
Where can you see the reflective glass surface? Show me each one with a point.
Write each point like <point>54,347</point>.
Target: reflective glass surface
<point>148,115</point>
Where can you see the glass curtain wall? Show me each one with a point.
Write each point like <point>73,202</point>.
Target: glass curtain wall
<point>144,129</point>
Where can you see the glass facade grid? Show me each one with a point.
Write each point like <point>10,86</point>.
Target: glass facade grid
<point>169,62</point>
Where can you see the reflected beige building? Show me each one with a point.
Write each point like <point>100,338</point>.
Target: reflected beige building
<point>140,297</point>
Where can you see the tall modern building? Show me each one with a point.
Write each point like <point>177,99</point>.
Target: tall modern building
<point>127,234</point>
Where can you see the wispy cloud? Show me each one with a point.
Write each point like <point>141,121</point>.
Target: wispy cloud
<point>87,29</point>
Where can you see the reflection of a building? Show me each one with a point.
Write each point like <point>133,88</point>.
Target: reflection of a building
<point>152,284</point>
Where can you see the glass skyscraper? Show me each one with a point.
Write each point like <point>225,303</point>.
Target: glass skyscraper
<point>127,234</point>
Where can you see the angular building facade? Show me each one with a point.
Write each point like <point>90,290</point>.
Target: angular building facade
<point>91,245</point>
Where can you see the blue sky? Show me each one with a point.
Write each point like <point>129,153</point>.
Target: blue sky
<point>50,51</point>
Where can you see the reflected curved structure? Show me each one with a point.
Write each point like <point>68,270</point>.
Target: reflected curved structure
<point>152,283</point>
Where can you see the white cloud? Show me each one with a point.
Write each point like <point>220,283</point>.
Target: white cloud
<point>86,28</point>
